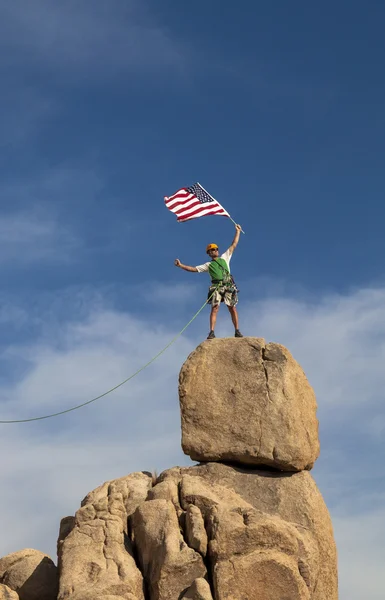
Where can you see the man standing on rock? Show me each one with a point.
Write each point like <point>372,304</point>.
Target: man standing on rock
<point>222,288</point>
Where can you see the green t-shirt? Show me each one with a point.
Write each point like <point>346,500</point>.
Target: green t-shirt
<point>218,269</point>
<point>213,268</point>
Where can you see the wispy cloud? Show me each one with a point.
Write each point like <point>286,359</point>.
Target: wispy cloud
<point>331,335</point>
<point>89,36</point>
<point>339,340</point>
<point>58,188</point>
<point>360,543</point>
<point>27,237</point>
<point>38,217</point>
<point>136,427</point>
<point>164,293</point>
<point>22,111</point>
<point>45,46</point>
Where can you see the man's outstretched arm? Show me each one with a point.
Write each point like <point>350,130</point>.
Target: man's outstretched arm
<point>177,263</point>
<point>236,238</point>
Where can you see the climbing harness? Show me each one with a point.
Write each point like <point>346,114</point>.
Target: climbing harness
<point>228,279</point>
<point>68,410</point>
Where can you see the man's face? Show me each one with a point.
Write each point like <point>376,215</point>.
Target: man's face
<point>213,253</point>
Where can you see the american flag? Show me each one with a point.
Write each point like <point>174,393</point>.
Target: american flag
<point>193,202</point>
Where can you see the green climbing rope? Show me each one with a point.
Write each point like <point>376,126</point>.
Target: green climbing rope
<point>68,410</point>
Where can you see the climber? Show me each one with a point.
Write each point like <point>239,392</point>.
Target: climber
<point>222,288</point>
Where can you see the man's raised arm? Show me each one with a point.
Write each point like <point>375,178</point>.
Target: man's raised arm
<point>177,263</point>
<point>236,238</point>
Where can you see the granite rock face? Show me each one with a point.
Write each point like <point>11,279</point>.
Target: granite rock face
<point>247,402</point>
<point>269,534</point>
<point>96,559</point>
<point>168,564</point>
<point>31,574</point>
<point>248,523</point>
<point>199,590</point>
<point>210,531</point>
<point>7,594</point>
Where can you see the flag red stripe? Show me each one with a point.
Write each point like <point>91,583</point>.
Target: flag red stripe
<point>216,214</point>
<point>203,208</point>
<point>181,203</point>
<point>179,194</point>
<point>180,198</point>
<point>185,210</point>
<point>186,205</point>
<point>202,212</point>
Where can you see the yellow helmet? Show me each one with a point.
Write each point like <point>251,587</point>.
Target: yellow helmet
<point>211,247</point>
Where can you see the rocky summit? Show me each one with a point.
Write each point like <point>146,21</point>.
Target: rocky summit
<point>248,402</point>
<point>247,523</point>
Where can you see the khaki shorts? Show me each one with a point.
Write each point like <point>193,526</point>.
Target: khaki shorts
<point>223,293</point>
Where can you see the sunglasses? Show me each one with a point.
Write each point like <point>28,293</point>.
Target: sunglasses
<point>214,250</point>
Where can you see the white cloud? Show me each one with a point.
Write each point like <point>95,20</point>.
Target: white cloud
<point>51,465</point>
<point>164,293</point>
<point>90,36</point>
<point>339,340</point>
<point>360,541</point>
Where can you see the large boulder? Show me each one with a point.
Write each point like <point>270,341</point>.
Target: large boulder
<point>7,594</point>
<point>248,402</point>
<point>31,574</point>
<point>96,558</point>
<point>269,534</point>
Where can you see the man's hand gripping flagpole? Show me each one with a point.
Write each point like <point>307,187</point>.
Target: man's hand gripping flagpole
<point>231,219</point>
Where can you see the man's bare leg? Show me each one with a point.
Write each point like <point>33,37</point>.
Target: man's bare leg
<point>213,316</point>
<point>234,315</point>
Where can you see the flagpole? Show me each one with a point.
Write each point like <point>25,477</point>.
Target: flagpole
<point>216,201</point>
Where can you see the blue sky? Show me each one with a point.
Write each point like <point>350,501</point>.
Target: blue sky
<point>105,108</point>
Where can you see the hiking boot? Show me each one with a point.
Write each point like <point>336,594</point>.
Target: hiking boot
<point>211,335</point>
<point>237,333</point>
